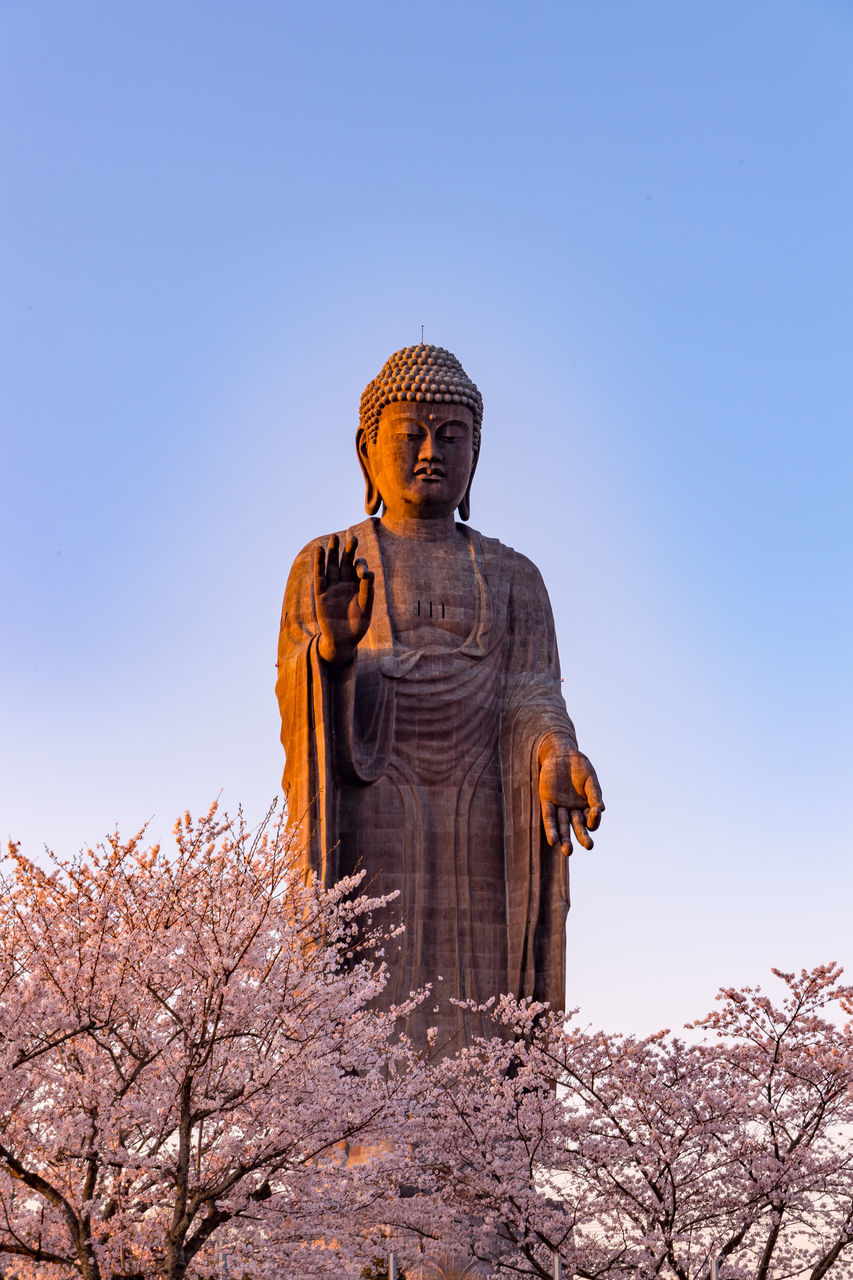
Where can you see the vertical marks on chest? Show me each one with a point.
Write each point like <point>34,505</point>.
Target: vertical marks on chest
<point>428,604</point>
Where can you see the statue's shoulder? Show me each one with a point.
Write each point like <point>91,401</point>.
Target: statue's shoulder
<point>498,554</point>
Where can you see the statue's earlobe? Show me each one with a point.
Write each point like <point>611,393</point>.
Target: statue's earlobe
<point>372,496</point>
<point>465,505</point>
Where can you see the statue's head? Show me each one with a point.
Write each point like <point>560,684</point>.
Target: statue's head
<point>419,433</point>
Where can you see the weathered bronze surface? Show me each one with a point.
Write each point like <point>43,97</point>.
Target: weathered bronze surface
<point>426,737</point>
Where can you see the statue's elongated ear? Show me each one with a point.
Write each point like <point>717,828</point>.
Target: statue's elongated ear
<point>465,504</point>
<point>372,496</point>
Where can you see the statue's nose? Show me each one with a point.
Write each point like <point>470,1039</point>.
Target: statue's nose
<point>430,448</point>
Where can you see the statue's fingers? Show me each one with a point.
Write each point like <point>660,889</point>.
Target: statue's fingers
<point>564,823</point>
<point>319,571</point>
<point>348,555</point>
<point>365,586</point>
<point>332,557</point>
<point>593,817</point>
<point>579,825</point>
<point>549,821</point>
<point>592,791</point>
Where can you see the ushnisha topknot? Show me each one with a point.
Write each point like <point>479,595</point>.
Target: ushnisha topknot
<point>425,373</point>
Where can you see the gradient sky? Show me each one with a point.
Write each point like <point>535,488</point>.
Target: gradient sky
<point>632,223</point>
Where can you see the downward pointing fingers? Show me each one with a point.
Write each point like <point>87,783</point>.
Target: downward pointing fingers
<point>580,828</point>
<point>564,822</point>
<point>595,803</point>
<point>549,821</point>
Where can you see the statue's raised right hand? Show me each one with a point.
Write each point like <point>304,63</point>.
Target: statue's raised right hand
<point>343,595</point>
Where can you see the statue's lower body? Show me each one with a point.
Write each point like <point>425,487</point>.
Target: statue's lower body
<point>441,847</point>
<point>432,828</point>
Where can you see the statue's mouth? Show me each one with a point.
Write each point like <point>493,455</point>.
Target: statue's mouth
<point>430,473</point>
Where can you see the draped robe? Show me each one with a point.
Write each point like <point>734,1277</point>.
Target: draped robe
<point>419,765</point>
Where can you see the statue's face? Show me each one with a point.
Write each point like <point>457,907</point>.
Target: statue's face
<point>422,458</point>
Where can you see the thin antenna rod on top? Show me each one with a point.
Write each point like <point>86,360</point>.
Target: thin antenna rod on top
<point>422,335</point>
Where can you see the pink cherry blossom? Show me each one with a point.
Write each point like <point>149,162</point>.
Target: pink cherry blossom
<point>186,1041</point>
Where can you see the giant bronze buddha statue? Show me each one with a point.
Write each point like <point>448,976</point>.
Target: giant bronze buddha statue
<point>426,737</point>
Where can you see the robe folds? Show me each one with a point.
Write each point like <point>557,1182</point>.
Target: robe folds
<point>420,767</point>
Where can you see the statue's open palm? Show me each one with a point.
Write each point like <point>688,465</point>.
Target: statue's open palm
<point>343,596</point>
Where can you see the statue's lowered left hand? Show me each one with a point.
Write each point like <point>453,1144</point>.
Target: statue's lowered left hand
<point>569,793</point>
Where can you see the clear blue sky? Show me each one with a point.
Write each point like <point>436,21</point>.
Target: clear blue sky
<point>632,223</point>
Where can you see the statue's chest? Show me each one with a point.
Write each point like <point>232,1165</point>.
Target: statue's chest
<point>432,592</point>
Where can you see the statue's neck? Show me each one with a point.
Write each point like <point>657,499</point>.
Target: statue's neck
<point>421,528</point>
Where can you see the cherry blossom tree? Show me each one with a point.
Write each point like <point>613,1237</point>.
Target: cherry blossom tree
<point>789,1068</point>
<point>188,1041</point>
<point>641,1157</point>
<point>196,1072</point>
